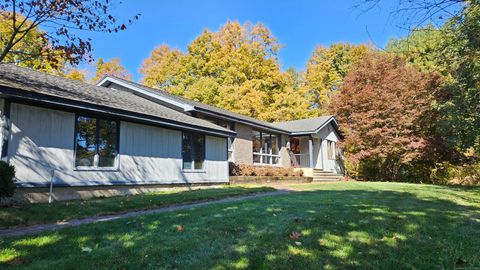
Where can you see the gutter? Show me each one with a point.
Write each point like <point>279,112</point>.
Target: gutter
<point>84,106</point>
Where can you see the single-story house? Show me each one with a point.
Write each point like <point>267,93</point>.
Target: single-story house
<point>56,130</point>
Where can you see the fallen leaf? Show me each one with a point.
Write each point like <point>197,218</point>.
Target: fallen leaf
<point>295,235</point>
<point>180,228</point>
<point>87,249</point>
<point>298,243</point>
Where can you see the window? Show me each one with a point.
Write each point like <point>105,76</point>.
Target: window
<point>331,150</point>
<point>193,151</point>
<point>266,148</point>
<point>96,142</point>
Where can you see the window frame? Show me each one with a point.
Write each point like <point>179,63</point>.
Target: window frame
<point>96,158</point>
<point>270,156</point>
<point>192,169</point>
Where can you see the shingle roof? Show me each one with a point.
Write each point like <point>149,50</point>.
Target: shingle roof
<point>27,79</point>
<point>309,125</point>
<point>202,106</point>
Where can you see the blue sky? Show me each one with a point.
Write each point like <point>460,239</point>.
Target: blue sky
<point>298,25</point>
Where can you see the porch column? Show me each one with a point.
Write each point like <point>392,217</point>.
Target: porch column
<point>310,150</point>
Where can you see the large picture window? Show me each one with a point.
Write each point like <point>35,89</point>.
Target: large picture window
<point>96,142</point>
<point>265,148</point>
<point>193,151</point>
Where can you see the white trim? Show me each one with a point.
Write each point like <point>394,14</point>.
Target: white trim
<point>184,106</point>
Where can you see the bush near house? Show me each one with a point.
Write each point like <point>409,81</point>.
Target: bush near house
<point>249,170</point>
<point>7,184</point>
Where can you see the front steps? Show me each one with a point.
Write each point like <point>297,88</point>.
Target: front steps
<point>326,176</point>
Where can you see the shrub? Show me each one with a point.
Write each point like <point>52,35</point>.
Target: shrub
<point>249,170</point>
<point>7,184</point>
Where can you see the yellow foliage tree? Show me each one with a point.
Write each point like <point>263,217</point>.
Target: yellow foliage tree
<point>110,68</point>
<point>327,67</point>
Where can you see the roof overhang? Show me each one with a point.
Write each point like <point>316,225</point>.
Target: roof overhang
<point>107,81</point>
<point>31,98</point>
<point>331,120</point>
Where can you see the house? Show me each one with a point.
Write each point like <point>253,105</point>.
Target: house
<point>116,133</point>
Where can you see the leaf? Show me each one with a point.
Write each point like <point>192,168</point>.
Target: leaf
<point>180,228</point>
<point>298,243</point>
<point>295,235</point>
<point>87,249</point>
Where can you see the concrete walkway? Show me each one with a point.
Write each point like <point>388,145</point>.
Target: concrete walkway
<point>35,229</point>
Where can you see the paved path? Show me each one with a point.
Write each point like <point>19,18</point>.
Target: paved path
<point>35,229</point>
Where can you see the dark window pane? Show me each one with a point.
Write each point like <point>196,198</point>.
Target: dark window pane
<point>187,151</point>
<point>107,143</point>
<point>256,158</point>
<point>199,151</point>
<point>85,141</point>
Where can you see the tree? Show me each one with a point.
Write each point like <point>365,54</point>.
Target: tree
<point>77,75</point>
<point>424,48</point>
<point>326,69</point>
<point>235,68</point>
<point>452,50</point>
<point>294,101</point>
<point>61,22</point>
<point>462,108</point>
<point>29,51</point>
<point>110,68</point>
<point>161,69</point>
<point>385,109</point>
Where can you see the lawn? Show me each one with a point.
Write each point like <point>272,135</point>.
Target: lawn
<point>30,214</point>
<point>323,226</point>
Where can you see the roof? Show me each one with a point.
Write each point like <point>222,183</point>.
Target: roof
<point>307,126</point>
<point>124,103</point>
<point>195,105</point>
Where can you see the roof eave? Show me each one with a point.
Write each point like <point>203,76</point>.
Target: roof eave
<point>106,81</point>
<point>25,95</point>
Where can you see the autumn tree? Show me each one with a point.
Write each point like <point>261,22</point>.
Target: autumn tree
<point>235,68</point>
<point>384,107</point>
<point>110,68</point>
<point>60,21</point>
<point>294,101</point>
<point>162,68</point>
<point>453,50</point>
<point>31,49</point>
<point>77,75</point>
<point>326,69</point>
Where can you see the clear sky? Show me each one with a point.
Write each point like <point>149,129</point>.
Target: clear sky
<point>298,25</point>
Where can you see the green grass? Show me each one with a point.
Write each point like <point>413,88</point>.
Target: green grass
<point>30,214</point>
<point>330,226</point>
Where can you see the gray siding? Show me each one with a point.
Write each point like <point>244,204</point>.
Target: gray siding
<point>42,140</point>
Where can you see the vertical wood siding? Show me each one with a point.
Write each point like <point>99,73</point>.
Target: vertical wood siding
<point>42,140</point>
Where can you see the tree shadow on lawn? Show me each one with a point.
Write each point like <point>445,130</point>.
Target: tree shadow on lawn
<point>326,229</point>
